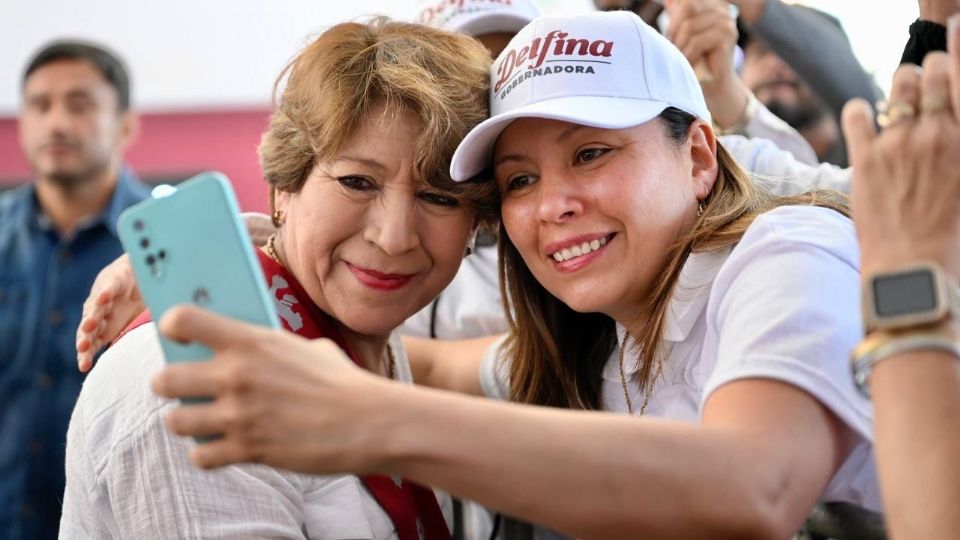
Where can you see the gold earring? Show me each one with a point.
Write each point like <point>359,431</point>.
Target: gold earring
<point>700,209</point>
<point>277,218</point>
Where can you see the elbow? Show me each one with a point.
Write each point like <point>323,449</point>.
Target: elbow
<point>763,516</point>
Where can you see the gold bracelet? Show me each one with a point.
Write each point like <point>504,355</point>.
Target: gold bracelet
<point>879,346</point>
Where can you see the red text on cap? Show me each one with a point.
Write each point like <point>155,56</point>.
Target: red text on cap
<point>538,49</point>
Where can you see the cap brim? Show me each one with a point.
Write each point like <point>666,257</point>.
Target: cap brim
<point>475,151</point>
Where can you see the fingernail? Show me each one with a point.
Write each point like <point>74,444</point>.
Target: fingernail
<point>953,26</point>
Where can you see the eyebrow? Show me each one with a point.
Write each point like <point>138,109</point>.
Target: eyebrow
<point>514,158</point>
<point>567,133</point>
<point>372,163</point>
<point>509,158</point>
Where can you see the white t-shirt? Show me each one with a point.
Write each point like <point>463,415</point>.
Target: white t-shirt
<point>128,477</point>
<point>782,304</point>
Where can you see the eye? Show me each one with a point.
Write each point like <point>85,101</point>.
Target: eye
<point>590,154</point>
<point>79,105</point>
<point>356,183</point>
<point>519,181</point>
<point>439,199</point>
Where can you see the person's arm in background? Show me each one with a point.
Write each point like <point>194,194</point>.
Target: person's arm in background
<point>906,204</point>
<point>448,364</point>
<point>780,171</point>
<point>706,34</point>
<point>929,32</point>
<point>816,49</point>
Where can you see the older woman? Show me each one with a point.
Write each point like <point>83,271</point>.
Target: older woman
<point>371,228</point>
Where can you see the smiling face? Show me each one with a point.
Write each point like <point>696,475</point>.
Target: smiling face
<point>594,212</point>
<point>370,243</point>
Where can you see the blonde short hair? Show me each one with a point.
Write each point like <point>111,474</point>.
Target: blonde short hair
<point>339,78</point>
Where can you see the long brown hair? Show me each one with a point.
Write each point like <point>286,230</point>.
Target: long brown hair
<point>558,354</point>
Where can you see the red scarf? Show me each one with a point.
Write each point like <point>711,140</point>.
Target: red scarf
<point>413,509</point>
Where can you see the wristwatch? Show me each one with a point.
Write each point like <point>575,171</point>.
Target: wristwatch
<point>902,312</point>
<point>908,297</point>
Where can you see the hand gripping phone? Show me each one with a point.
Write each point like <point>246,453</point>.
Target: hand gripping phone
<point>191,247</point>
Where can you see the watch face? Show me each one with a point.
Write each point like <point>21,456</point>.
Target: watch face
<point>906,293</point>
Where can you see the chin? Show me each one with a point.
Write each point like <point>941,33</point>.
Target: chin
<point>373,321</point>
<point>584,301</point>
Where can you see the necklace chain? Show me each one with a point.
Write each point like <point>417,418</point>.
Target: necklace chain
<point>647,391</point>
<point>392,366</point>
<point>271,250</point>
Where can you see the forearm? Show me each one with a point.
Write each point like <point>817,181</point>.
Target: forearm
<point>569,471</point>
<point>448,365</point>
<point>917,417</point>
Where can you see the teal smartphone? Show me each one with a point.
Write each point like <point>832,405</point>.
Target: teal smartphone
<point>191,247</point>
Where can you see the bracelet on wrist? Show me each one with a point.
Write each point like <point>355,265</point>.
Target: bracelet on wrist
<point>880,346</point>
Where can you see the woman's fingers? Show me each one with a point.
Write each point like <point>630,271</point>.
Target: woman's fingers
<point>935,85</point>
<point>189,379</point>
<point>190,324</point>
<point>859,131</point>
<point>953,51</point>
<point>220,452</point>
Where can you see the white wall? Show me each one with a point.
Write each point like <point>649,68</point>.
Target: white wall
<point>182,53</point>
<point>187,54</point>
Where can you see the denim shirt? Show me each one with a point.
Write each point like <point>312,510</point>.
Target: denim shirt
<point>44,278</point>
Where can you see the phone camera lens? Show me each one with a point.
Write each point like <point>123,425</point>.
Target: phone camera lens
<point>161,254</point>
<point>144,243</point>
<point>151,260</point>
<point>137,225</point>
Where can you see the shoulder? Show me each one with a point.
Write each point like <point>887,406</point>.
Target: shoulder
<point>116,399</point>
<point>12,206</point>
<point>819,231</point>
<point>798,265</point>
<point>132,189</point>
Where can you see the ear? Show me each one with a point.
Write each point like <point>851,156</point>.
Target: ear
<point>703,158</point>
<point>129,129</point>
<point>279,200</point>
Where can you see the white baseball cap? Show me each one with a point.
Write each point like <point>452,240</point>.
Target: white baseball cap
<point>606,70</point>
<point>477,17</point>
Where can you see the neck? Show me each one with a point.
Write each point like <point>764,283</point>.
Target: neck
<point>634,318</point>
<point>67,205</point>
<point>372,350</point>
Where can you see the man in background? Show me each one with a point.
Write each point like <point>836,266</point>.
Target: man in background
<point>55,235</point>
<point>797,61</point>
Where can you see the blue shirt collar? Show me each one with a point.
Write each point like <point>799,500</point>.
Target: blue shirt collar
<point>128,191</point>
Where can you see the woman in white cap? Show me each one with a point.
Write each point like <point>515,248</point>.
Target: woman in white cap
<point>626,227</point>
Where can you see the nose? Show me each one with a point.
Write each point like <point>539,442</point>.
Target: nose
<point>392,224</point>
<point>559,199</point>
<point>57,118</point>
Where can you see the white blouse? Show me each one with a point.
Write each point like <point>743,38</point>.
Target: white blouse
<point>128,477</point>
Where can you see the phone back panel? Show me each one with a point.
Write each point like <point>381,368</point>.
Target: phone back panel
<point>192,247</point>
